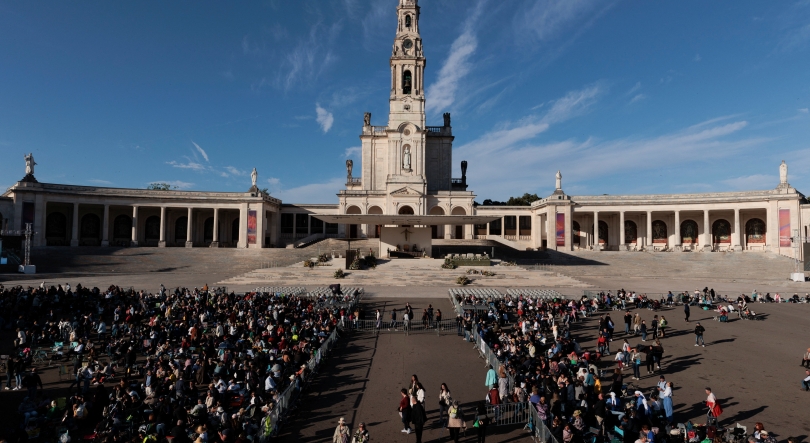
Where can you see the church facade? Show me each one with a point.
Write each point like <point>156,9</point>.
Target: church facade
<point>405,169</point>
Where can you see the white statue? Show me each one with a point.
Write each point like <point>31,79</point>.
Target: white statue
<point>783,173</point>
<point>559,181</point>
<point>253,176</point>
<point>406,159</point>
<point>29,164</point>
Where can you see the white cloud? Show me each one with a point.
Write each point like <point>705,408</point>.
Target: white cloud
<point>234,171</point>
<point>697,58</point>
<point>574,103</point>
<point>638,97</point>
<point>354,151</point>
<point>200,150</point>
<point>99,182</point>
<point>273,181</point>
<point>804,110</point>
<point>544,20</point>
<point>312,193</point>
<point>751,182</point>
<point>443,93</point>
<point>310,57</point>
<point>194,166</point>
<point>324,118</point>
<point>634,89</point>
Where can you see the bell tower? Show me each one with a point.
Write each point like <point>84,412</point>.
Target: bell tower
<point>407,102</point>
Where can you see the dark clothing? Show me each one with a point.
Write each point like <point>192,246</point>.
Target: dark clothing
<point>419,418</point>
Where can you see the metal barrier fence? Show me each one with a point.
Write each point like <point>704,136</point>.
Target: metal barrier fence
<point>286,400</point>
<point>399,327</point>
<point>510,413</point>
<point>540,431</point>
<point>534,293</point>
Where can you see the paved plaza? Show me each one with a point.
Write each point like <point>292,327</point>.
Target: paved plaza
<point>753,366</point>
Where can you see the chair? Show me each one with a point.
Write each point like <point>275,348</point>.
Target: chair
<point>64,370</point>
<point>405,247</point>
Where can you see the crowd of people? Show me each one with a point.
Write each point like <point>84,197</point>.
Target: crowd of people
<point>579,393</point>
<point>189,364</point>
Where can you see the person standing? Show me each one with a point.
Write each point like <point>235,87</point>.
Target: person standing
<point>456,423</point>
<point>361,435</point>
<point>643,330</point>
<point>806,359</point>
<point>406,321</point>
<point>342,432</point>
<point>11,366</point>
<point>444,403</point>
<point>405,411</point>
<point>666,398</point>
<point>636,324</point>
<point>699,330</point>
<point>418,417</point>
<point>686,310</point>
<point>481,423</point>
<point>31,382</point>
<point>805,380</point>
<point>492,377</point>
<point>628,319</point>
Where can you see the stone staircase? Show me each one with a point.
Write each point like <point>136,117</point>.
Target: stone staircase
<point>401,272</point>
<point>716,265</point>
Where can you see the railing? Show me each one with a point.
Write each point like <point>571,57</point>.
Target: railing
<point>354,181</point>
<point>379,129</point>
<point>434,129</point>
<point>456,181</point>
<point>12,232</point>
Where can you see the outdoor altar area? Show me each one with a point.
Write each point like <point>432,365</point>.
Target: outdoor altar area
<point>405,242</point>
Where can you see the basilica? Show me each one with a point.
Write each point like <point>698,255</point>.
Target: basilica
<point>403,194</point>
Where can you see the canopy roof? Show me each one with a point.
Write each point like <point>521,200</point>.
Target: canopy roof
<point>374,219</point>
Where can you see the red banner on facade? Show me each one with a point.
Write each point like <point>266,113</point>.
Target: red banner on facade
<point>784,228</point>
<point>251,228</point>
<point>560,229</point>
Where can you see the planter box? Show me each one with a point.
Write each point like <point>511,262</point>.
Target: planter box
<point>472,262</point>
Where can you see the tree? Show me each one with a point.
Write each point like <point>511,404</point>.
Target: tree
<point>526,200</point>
<point>158,186</point>
<point>264,191</point>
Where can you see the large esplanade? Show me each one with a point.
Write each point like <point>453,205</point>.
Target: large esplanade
<point>403,190</point>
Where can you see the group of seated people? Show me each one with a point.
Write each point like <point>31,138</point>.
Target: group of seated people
<point>186,364</point>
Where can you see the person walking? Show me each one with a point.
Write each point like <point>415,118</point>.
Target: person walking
<point>636,358</point>
<point>481,422</point>
<point>636,324</point>
<point>686,310</point>
<point>456,423</point>
<point>31,382</point>
<point>492,377</point>
<point>444,404</point>
<point>628,319</point>
<point>699,330</point>
<point>418,417</point>
<point>714,407</point>
<point>393,320</point>
<point>361,435</point>
<point>405,411</point>
<point>342,432</point>
<point>643,330</point>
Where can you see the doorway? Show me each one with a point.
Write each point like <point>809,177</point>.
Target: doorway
<point>459,231</point>
<point>352,231</point>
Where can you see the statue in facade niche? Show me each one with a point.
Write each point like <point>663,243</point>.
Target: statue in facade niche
<point>446,119</point>
<point>367,119</point>
<point>783,173</point>
<point>253,176</point>
<point>350,165</point>
<point>29,164</point>
<point>406,159</point>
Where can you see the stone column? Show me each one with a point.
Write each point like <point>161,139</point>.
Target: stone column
<point>215,239</point>
<point>105,227</point>
<point>503,227</point>
<point>678,239</point>
<point>448,231</point>
<point>568,210</point>
<point>596,246</point>
<point>162,241</point>
<point>707,232</point>
<point>649,237</point>
<point>134,241</point>
<point>189,239</point>
<point>622,240</point>
<point>74,236</point>
<point>243,214</point>
<point>551,228</point>
<point>735,239</point>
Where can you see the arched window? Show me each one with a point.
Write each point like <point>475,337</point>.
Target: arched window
<point>575,232</point>
<point>755,231</point>
<point>721,231</point>
<point>689,232</point>
<point>208,230</point>
<point>630,232</point>
<point>56,226</point>
<point>603,232</point>
<point>122,227</point>
<point>181,229</point>
<point>408,21</point>
<point>407,82</point>
<point>659,232</point>
<point>90,227</point>
<point>353,210</point>
<point>152,228</point>
<point>405,210</point>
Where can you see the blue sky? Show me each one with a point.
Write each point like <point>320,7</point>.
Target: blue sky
<point>623,97</point>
